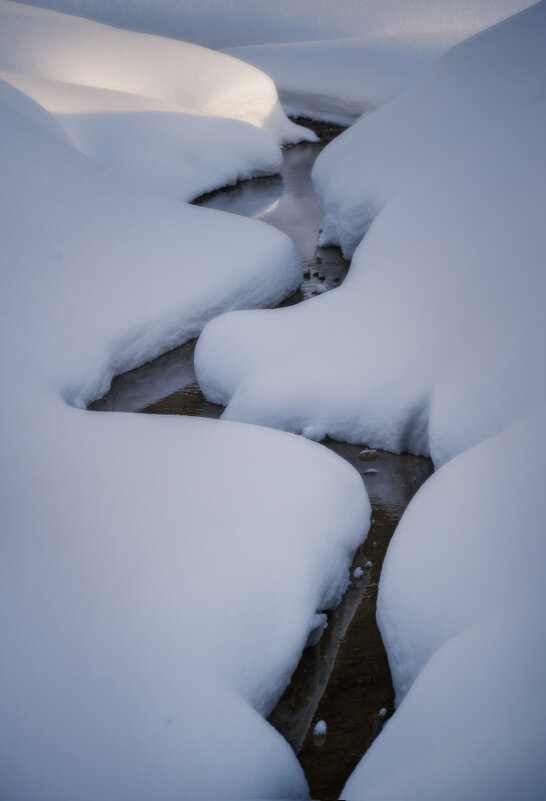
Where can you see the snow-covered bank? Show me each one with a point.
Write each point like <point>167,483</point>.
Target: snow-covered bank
<point>329,60</point>
<point>461,609</point>
<point>443,280</point>
<point>435,343</point>
<point>64,48</point>
<point>174,117</point>
<point>156,588</point>
<point>475,90</point>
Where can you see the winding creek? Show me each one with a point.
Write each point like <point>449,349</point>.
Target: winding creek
<point>344,679</point>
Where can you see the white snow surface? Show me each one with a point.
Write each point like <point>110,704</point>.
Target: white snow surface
<point>435,344</point>
<point>141,640</point>
<point>61,47</point>
<point>329,60</point>
<point>230,23</point>
<point>153,143</point>
<point>473,90</point>
<point>444,282</point>
<point>461,609</point>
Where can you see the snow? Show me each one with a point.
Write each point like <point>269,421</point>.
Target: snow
<point>153,143</point>
<point>60,47</point>
<point>142,641</point>
<point>358,573</point>
<point>447,116</point>
<point>418,317</point>
<point>329,60</point>
<point>434,344</point>
<point>461,608</point>
<point>160,577</point>
<point>320,728</point>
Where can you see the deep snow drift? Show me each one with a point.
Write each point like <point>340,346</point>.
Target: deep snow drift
<point>331,60</point>
<point>435,343</point>
<point>156,588</point>
<point>443,281</point>
<point>461,609</point>
<point>174,117</point>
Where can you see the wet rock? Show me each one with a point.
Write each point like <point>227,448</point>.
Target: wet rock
<point>367,455</point>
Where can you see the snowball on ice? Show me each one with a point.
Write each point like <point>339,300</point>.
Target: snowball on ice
<point>320,728</point>
<point>358,573</point>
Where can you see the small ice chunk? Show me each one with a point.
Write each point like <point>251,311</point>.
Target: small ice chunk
<point>358,572</point>
<point>313,432</point>
<point>368,564</point>
<point>370,471</point>
<point>382,712</point>
<point>319,733</point>
<point>320,288</point>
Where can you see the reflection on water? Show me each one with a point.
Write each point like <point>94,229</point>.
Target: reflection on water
<point>290,204</point>
<point>287,202</point>
<point>135,389</point>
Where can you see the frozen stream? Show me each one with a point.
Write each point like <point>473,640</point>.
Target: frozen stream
<point>344,679</point>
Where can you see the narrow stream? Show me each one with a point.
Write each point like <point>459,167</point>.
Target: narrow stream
<point>344,679</point>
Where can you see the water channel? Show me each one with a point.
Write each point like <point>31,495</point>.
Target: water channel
<point>344,679</point>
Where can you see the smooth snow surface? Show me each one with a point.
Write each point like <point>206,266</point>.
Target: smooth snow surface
<point>160,577</point>
<point>64,48</point>
<point>475,89</point>
<point>142,641</point>
<point>443,283</point>
<point>461,608</point>
<point>329,60</point>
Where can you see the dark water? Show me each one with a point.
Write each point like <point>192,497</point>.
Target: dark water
<point>343,680</point>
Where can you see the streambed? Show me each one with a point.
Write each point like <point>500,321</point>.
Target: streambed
<point>344,679</point>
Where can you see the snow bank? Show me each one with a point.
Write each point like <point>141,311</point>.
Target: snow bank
<point>441,284</point>
<point>153,143</point>
<point>157,589</point>
<point>339,80</point>
<point>64,48</point>
<point>461,609</point>
<point>473,90</point>
<point>225,23</point>
<point>328,60</point>
<point>435,343</point>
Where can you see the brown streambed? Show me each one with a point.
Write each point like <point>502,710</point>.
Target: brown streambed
<point>344,680</point>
